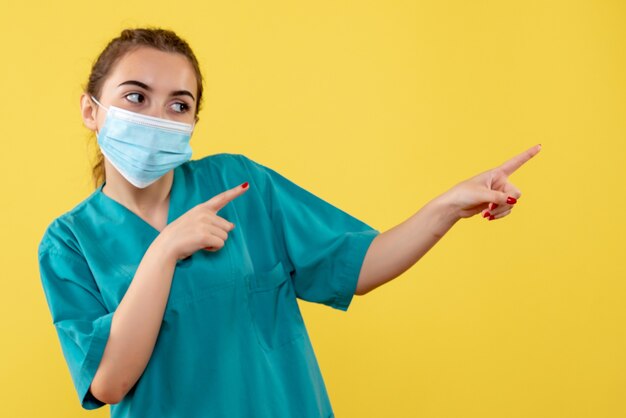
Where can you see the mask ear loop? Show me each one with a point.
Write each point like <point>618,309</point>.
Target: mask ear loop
<point>99,104</point>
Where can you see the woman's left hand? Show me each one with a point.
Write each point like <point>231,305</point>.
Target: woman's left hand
<point>489,192</point>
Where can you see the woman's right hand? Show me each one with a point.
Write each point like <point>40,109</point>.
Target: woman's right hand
<point>200,227</point>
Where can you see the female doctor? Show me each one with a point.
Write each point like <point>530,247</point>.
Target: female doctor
<point>173,286</point>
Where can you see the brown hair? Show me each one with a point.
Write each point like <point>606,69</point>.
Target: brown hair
<point>130,39</point>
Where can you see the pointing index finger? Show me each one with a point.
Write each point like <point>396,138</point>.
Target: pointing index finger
<point>218,201</point>
<point>516,162</point>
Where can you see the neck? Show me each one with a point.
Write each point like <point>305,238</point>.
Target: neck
<point>144,200</point>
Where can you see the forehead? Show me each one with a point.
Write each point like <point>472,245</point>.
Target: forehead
<point>163,71</point>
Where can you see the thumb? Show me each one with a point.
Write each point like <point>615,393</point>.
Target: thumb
<point>496,196</point>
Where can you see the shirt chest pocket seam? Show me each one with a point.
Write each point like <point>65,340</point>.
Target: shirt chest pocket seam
<point>274,311</point>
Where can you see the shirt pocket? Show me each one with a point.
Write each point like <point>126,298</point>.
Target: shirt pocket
<point>274,311</point>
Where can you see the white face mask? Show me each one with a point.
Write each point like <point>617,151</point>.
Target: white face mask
<point>143,148</point>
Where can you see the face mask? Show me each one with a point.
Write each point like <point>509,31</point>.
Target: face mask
<point>143,148</point>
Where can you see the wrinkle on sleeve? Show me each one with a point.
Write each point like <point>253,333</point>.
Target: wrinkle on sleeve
<point>78,313</point>
<point>324,246</point>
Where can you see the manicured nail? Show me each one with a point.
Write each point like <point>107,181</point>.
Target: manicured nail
<point>491,218</point>
<point>492,206</point>
<point>487,214</point>
<point>511,200</point>
<point>243,186</point>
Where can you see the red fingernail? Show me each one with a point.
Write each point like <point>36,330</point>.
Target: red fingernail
<point>491,218</point>
<point>511,200</point>
<point>492,206</point>
<point>487,214</point>
<point>244,185</point>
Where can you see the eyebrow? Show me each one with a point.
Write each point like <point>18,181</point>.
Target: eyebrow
<point>148,88</point>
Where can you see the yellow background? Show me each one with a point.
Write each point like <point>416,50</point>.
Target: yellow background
<point>377,107</point>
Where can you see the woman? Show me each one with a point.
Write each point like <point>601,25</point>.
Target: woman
<point>164,308</point>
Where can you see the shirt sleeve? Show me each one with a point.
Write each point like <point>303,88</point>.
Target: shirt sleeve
<point>79,316</point>
<point>324,246</point>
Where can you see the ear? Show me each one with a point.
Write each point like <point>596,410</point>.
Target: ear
<point>88,112</point>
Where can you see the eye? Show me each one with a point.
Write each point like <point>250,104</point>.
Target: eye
<point>135,97</point>
<point>180,107</point>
